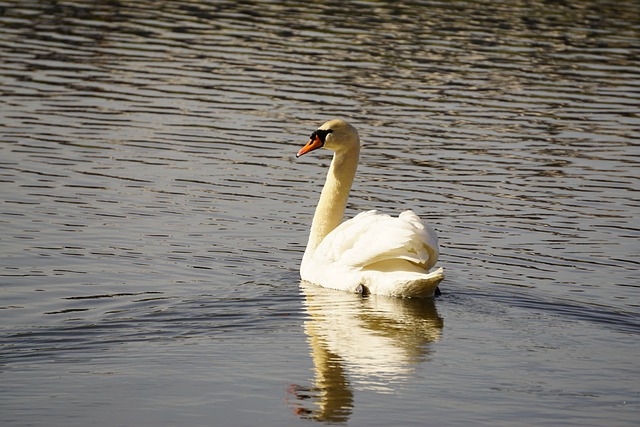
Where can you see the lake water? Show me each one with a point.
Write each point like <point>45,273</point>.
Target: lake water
<point>154,215</point>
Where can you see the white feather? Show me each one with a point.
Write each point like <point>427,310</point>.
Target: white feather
<point>372,237</point>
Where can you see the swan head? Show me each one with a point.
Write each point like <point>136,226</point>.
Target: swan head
<point>334,135</point>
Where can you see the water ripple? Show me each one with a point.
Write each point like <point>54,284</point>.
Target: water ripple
<point>151,191</point>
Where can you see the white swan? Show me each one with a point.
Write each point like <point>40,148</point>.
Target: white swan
<point>372,252</point>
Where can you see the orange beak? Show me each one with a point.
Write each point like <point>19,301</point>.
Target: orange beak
<point>313,144</point>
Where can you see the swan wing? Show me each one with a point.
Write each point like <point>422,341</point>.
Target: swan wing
<point>372,238</point>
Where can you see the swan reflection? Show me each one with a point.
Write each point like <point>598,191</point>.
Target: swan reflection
<point>360,343</point>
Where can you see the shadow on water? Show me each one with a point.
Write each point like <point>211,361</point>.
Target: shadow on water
<point>360,343</point>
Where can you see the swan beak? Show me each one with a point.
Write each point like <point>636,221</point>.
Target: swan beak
<point>313,144</point>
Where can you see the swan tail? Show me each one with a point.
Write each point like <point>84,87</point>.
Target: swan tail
<point>408,285</point>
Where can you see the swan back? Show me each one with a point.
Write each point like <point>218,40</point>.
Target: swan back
<point>371,238</point>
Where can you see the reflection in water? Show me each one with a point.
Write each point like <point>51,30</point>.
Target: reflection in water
<point>374,341</point>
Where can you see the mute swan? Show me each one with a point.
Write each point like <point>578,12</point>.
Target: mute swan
<point>372,252</point>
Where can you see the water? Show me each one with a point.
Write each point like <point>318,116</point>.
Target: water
<point>154,214</point>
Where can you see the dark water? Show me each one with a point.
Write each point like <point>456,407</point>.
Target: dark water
<point>154,215</point>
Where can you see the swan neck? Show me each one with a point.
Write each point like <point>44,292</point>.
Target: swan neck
<point>335,193</point>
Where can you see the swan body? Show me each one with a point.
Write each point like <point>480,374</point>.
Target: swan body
<point>372,252</point>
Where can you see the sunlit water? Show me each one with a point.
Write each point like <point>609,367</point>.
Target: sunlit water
<point>154,214</point>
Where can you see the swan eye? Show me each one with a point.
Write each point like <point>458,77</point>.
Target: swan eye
<point>321,134</point>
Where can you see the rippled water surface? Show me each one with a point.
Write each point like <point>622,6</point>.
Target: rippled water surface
<point>154,215</point>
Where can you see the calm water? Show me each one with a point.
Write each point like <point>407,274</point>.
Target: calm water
<point>154,214</point>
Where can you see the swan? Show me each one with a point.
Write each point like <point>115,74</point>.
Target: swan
<point>372,252</point>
